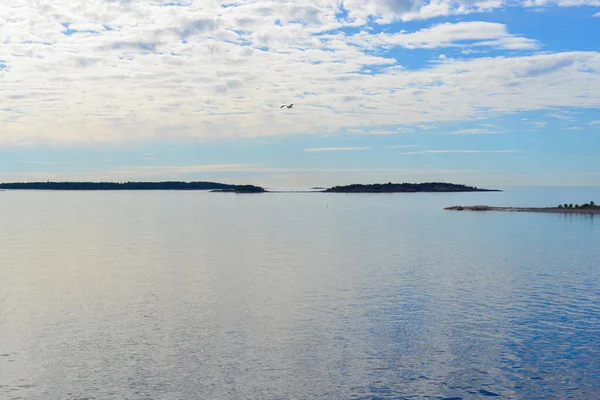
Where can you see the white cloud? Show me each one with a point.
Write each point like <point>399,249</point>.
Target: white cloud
<point>147,97</point>
<point>45,162</point>
<point>597,15</point>
<point>370,131</point>
<point>461,34</point>
<point>317,149</point>
<point>572,128</point>
<point>401,147</point>
<point>474,131</point>
<point>561,3</point>
<point>567,116</point>
<point>182,169</point>
<point>406,10</point>
<point>539,124</point>
<point>262,169</point>
<point>459,151</point>
<point>594,122</point>
<point>133,71</point>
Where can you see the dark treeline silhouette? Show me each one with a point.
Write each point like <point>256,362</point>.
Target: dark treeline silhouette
<point>169,185</point>
<point>406,188</point>
<point>243,189</point>
<point>591,204</point>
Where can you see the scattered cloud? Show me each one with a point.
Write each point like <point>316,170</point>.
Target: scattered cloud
<point>474,131</point>
<point>132,71</point>
<point>375,131</point>
<point>597,15</point>
<point>565,115</point>
<point>316,149</point>
<point>45,162</point>
<point>392,10</point>
<point>597,122</point>
<point>402,146</point>
<point>539,124</point>
<point>460,151</point>
<point>572,128</point>
<point>561,3</point>
<point>426,127</point>
<point>262,169</point>
<point>461,34</point>
<point>183,169</point>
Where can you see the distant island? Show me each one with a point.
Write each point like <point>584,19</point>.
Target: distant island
<point>587,208</point>
<point>436,187</point>
<point>168,185</point>
<point>242,189</point>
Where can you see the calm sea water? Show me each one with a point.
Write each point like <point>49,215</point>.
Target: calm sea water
<point>191,295</point>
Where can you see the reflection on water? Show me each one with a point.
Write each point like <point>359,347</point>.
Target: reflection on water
<point>173,295</point>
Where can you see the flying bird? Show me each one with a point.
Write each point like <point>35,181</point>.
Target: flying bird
<point>286,106</point>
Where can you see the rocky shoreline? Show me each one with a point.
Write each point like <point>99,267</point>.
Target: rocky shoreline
<point>591,210</point>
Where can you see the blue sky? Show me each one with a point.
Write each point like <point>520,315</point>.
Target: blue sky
<point>477,92</point>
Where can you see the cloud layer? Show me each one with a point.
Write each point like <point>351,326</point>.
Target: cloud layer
<point>319,149</point>
<point>459,151</point>
<point>114,71</point>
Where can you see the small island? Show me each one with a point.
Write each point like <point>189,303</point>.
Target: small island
<point>431,187</point>
<point>587,208</point>
<point>169,185</point>
<point>241,189</point>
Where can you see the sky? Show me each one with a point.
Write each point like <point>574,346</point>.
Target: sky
<point>488,93</point>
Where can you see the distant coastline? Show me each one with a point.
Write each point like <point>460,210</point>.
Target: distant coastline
<point>168,185</point>
<point>557,210</point>
<point>432,187</point>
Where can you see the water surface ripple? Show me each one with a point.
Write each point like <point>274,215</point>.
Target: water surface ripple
<point>187,295</point>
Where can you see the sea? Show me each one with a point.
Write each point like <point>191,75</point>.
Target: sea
<point>196,295</point>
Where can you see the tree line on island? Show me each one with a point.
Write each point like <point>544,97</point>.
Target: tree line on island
<point>406,188</point>
<point>223,187</point>
<point>591,204</point>
<point>168,185</point>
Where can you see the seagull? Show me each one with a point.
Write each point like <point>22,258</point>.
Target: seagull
<point>286,106</point>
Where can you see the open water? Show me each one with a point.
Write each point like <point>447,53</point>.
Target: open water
<point>193,295</point>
